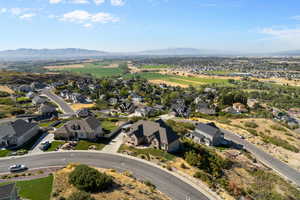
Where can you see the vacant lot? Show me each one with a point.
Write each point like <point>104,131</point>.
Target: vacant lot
<point>4,88</point>
<point>79,106</point>
<point>125,187</point>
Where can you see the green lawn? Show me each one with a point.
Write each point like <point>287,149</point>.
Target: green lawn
<point>37,189</point>
<point>54,145</point>
<point>84,145</point>
<point>46,124</point>
<point>108,125</point>
<point>147,152</point>
<point>4,153</point>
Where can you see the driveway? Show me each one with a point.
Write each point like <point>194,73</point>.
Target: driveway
<point>45,137</point>
<point>114,144</point>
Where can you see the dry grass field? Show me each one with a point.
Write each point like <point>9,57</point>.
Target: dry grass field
<point>4,88</point>
<point>64,67</point>
<point>78,106</point>
<point>125,187</point>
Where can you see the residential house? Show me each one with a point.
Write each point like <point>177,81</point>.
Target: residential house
<point>24,88</point>
<point>113,101</point>
<point>30,95</point>
<point>180,108</point>
<point>127,107</point>
<point>252,103</point>
<point>65,94</point>
<point>38,100</point>
<point>48,110</point>
<point>9,192</point>
<point>143,111</point>
<point>207,134</point>
<point>239,107</point>
<point>136,98</point>
<point>17,133</point>
<point>205,108</point>
<point>77,98</point>
<point>82,113</point>
<point>37,85</point>
<point>155,134</point>
<point>87,129</point>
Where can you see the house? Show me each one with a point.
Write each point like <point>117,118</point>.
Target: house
<point>180,108</point>
<point>77,98</point>
<point>87,129</point>
<point>17,133</point>
<point>38,100</point>
<point>37,85</point>
<point>82,113</point>
<point>127,107</point>
<point>143,111</point>
<point>30,95</point>
<point>48,110</point>
<point>65,93</point>
<point>239,107</point>
<point>155,134</point>
<point>24,88</point>
<point>252,103</point>
<point>113,101</point>
<point>207,134</point>
<point>205,108</point>
<point>8,192</point>
<point>136,98</point>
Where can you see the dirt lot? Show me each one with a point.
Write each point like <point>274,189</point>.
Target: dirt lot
<point>4,88</point>
<point>113,65</point>
<point>79,106</point>
<point>125,187</point>
<point>64,66</point>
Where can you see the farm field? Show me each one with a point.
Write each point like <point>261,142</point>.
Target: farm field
<point>154,66</point>
<point>98,70</point>
<point>183,81</point>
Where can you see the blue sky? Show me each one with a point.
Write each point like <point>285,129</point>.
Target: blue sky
<point>134,25</point>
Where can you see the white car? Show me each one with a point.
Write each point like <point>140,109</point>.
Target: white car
<point>15,168</point>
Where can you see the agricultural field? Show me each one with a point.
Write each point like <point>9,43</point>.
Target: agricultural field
<point>183,81</point>
<point>154,66</point>
<point>98,70</point>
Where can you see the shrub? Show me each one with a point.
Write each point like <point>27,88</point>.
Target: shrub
<point>251,124</point>
<point>81,196</point>
<point>277,128</point>
<point>89,179</point>
<point>149,184</point>
<point>252,131</point>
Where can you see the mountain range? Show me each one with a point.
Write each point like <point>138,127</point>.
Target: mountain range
<point>75,53</point>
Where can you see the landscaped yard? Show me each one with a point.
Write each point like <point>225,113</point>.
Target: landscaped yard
<point>146,152</point>
<point>37,189</point>
<point>4,153</point>
<point>84,145</point>
<point>55,145</point>
<point>108,125</point>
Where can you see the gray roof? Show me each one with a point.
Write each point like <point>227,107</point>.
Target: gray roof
<point>88,125</point>
<point>209,129</point>
<point>158,128</point>
<point>16,128</point>
<point>6,190</point>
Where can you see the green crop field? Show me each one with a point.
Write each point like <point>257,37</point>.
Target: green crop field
<point>96,70</point>
<point>184,80</point>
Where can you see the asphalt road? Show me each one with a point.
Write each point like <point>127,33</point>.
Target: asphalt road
<point>165,182</point>
<point>281,168</point>
<point>275,164</point>
<point>58,100</point>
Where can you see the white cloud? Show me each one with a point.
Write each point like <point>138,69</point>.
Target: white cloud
<point>55,1</point>
<point>281,33</point>
<point>88,25</point>
<point>84,17</point>
<point>98,2</point>
<point>18,11</point>
<point>117,2</point>
<point>27,16</point>
<point>3,10</point>
<point>79,1</point>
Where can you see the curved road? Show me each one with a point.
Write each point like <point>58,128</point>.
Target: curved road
<point>165,182</point>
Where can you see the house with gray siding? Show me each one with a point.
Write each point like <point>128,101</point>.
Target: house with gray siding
<point>17,133</point>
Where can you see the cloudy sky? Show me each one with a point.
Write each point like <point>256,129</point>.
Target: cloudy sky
<point>133,25</point>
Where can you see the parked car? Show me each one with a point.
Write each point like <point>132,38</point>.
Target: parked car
<point>16,168</point>
<point>44,145</point>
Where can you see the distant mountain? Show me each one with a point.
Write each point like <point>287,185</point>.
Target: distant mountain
<point>287,53</point>
<point>68,53</point>
<point>184,52</point>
